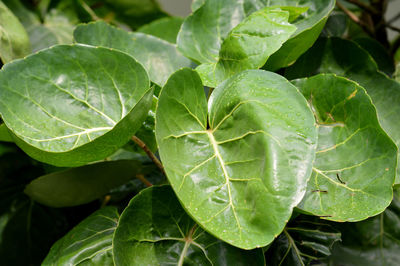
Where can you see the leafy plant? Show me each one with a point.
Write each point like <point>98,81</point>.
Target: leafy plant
<point>253,132</point>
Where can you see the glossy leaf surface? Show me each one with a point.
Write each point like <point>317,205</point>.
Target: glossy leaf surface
<point>98,99</point>
<point>88,243</point>
<point>345,58</point>
<point>159,57</point>
<point>249,45</point>
<point>165,28</point>
<point>81,185</point>
<point>241,164</point>
<point>375,241</point>
<point>304,241</point>
<point>355,163</point>
<point>14,41</point>
<point>155,230</point>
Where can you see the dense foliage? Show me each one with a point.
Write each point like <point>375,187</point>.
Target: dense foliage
<point>252,132</point>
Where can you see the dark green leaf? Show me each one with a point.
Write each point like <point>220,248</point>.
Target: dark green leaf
<point>235,165</point>
<point>375,241</point>
<point>4,134</point>
<point>81,185</point>
<point>336,25</point>
<point>248,45</point>
<point>165,28</point>
<point>355,163</point>
<point>14,41</point>
<point>77,105</point>
<point>345,58</point>
<point>155,230</point>
<point>303,241</point>
<point>159,57</point>
<point>89,243</point>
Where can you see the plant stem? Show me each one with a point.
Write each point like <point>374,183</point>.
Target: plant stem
<point>151,155</point>
<point>89,10</point>
<point>144,180</point>
<point>354,18</point>
<point>364,6</point>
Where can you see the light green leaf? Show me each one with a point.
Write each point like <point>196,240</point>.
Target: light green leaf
<point>77,105</point>
<point>81,185</point>
<point>372,242</point>
<point>249,45</point>
<point>241,164</point>
<point>164,28</point>
<point>88,243</point>
<point>345,58</point>
<point>309,26</point>
<point>304,241</point>
<point>155,230</point>
<point>14,41</point>
<point>396,74</point>
<point>196,4</point>
<point>160,58</point>
<point>355,163</point>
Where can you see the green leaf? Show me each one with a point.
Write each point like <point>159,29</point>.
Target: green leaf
<point>345,58</point>
<point>309,26</point>
<point>378,52</point>
<point>14,41</point>
<point>235,164</point>
<point>77,105</point>
<point>196,4</point>
<point>155,230</point>
<point>81,185</point>
<point>336,25</point>
<point>4,134</point>
<point>147,132</point>
<point>355,164</point>
<point>249,45</point>
<point>396,74</point>
<point>375,241</point>
<point>164,28</point>
<point>158,57</point>
<point>303,241</point>
<point>88,243</point>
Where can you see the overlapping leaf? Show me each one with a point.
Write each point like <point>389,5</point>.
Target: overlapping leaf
<point>76,105</point>
<point>89,243</point>
<point>165,28</point>
<point>14,41</point>
<point>355,163</point>
<point>160,58</point>
<point>155,230</point>
<point>345,58</point>
<point>303,241</point>
<point>81,185</point>
<point>248,45</point>
<point>375,241</point>
<point>240,165</point>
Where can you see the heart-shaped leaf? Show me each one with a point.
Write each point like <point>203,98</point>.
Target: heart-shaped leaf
<point>78,104</point>
<point>160,58</point>
<point>165,28</point>
<point>355,163</point>
<point>88,243</point>
<point>81,185</point>
<point>346,58</point>
<point>14,41</point>
<point>248,45</point>
<point>240,165</point>
<point>309,26</point>
<point>155,230</point>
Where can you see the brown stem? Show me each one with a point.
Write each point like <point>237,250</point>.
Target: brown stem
<point>364,6</point>
<point>146,149</point>
<point>144,180</point>
<point>355,18</point>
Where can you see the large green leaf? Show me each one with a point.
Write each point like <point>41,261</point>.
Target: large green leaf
<point>160,58</point>
<point>155,230</point>
<point>89,243</point>
<point>78,104</point>
<point>309,26</point>
<point>164,28</point>
<point>345,58</point>
<point>240,165</point>
<point>355,163</point>
<point>14,41</point>
<point>248,45</point>
<point>303,241</point>
<point>375,241</point>
<point>81,185</point>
